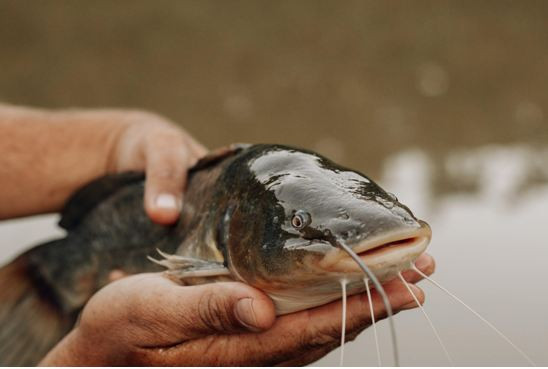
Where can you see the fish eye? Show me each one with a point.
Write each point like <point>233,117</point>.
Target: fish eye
<point>300,219</point>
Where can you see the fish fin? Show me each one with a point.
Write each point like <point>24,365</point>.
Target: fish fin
<point>184,274</point>
<point>89,196</point>
<point>31,323</point>
<point>183,267</point>
<point>219,154</point>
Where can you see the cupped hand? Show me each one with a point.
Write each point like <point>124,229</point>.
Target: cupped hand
<point>165,152</point>
<point>149,320</point>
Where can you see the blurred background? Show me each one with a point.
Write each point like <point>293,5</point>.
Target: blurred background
<point>442,102</point>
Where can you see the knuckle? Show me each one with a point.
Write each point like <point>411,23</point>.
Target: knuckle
<point>144,117</point>
<point>167,137</point>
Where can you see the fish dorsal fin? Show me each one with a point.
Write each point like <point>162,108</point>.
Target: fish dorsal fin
<point>183,267</point>
<point>89,196</point>
<point>219,154</point>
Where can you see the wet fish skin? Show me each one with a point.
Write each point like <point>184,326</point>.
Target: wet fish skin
<point>260,191</point>
<point>236,220</point>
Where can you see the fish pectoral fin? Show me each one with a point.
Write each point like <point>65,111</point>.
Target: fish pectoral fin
<point>187,267</point>
<point>212,272</point>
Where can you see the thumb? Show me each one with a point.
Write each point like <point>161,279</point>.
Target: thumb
<point>228,307</point>
<point>189,312</point>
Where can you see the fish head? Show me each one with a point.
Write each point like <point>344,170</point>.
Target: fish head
<point>302,206</point>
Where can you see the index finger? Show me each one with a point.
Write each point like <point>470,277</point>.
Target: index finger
<point>167,162</point>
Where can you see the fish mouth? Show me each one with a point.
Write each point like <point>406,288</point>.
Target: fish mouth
<point>385,255</point>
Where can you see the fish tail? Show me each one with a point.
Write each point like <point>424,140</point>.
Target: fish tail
<point>30,322</point>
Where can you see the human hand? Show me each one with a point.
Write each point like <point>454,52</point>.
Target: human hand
<point>68,148</point>
<point>149,320</point>
<point>165,152</point>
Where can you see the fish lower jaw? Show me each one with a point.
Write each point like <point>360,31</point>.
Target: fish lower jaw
<point>385,261</point>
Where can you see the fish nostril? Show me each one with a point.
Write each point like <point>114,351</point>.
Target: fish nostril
<point>350,234</point>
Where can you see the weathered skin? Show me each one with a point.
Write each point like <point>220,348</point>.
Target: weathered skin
<point>240,220</point>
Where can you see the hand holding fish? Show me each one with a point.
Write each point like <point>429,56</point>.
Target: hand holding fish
<point>287,222</point>
<point>72,147</point>
<point>165,153</point>
<point>148,320</point>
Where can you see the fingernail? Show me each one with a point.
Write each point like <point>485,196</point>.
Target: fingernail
<point>245,314</point>
<point>167,201</point>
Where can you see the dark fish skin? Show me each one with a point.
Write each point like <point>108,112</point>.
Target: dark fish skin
<point>256,197</point>
<point>237,214</point>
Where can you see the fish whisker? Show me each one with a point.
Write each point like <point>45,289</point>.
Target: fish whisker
<point>372,312</point>
<point>383,295</point>
<point>427,319</point>
<point>343,327</point>
<point>497,331</point>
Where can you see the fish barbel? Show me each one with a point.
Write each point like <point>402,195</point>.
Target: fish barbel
<point>270,216</point>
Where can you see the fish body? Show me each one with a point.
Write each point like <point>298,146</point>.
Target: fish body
<point>270,216</point>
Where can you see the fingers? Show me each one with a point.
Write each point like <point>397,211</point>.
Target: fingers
<point>198,149</point>
<point>358,313</point>
<point>310,334</point>
<point>165,153</point>
<point>166,170</point>
<point>116,274</point>
<point>169,155</point>
<point>425,263</point>
<point>309,357</point>
<point>324,324</point>
<point>194,325</point>
<point>294,339</point>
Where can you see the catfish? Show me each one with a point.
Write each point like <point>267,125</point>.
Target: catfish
<point>270,216</point>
